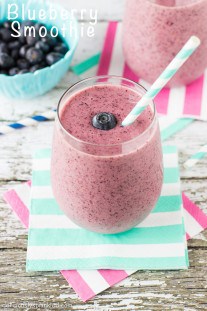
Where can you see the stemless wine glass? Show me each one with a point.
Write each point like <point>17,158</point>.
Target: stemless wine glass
<point>155,30</point>
<point>106,188</point>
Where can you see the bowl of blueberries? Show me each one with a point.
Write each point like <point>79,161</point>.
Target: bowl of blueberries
<point>34,55</point>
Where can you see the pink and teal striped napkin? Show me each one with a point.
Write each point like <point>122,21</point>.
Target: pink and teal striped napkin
<point>88,283</point>
<point>186,101</point>
<point>56,243</point>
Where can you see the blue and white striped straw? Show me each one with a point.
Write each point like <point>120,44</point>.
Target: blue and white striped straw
<point>196,157</point>
<point>187,50</point>
<point>30,121</point>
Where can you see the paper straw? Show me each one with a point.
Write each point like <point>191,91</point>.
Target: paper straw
<point>30,121</point>
<point>196,157</point>
<point>187,50</point>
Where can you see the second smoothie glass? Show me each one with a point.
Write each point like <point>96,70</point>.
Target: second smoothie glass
<point>155,30</point>
<point>101,187</point>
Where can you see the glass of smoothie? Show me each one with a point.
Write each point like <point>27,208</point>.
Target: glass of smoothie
<point>106,178</point>
<point>155,30</point>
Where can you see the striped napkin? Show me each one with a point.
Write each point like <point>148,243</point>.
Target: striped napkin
<point>186,101</point>
<point>88,283</point>
<point>56,243</point>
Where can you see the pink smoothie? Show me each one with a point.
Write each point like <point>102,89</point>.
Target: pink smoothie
<point>106,181</point>
<point>155,30</point>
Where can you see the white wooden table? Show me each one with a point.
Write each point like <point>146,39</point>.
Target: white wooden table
<point>179,290</point>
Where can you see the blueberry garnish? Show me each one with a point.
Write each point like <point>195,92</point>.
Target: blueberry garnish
<point>104,121</point>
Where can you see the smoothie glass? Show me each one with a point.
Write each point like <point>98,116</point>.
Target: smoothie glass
<point>155,30</point>
<point>105,181</point>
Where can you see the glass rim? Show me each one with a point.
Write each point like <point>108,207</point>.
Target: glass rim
<point>176,7</point>
<point>104,145</point>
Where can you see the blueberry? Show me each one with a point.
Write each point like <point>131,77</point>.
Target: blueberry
<point>32,40</point>
<point>23,63</point>
<point>15,54</point>
<point>22,37</point>
<point>104,121</point>
<point>3,48</point>
<point>23,71</point>
<point>13,71</point>
<point>36,67</point>
<point>44,64</point>
<point>6,61</point>
<point>3,72</point>
<point>7,24</point>
<point>59,39</point>
<point>28,23</point>
<point>23,50</point>
<point>61,48</point>
<point>34,56</point>
<point>14,45</point>
<point>6,34</point>
<point>38,26</point>
<point>42,46</point>
<point>51,41</point>
<point>53,58</point>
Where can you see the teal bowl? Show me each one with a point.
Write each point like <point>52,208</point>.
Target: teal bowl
<point>30,85</point>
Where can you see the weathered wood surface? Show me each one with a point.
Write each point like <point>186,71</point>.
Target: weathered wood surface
<point>149,290</point>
